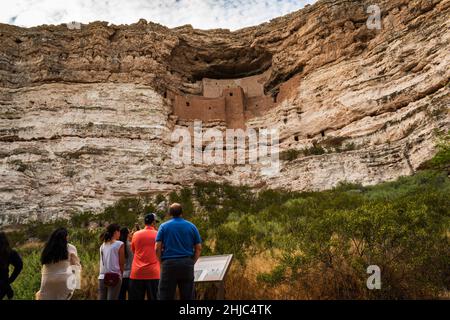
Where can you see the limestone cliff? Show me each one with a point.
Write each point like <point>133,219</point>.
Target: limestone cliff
<point>85,118</point>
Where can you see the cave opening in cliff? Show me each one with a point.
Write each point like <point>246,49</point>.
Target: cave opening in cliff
<point>195,62</point>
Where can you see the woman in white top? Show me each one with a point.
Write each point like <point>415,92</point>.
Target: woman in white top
<point>59,264</point>
<point>112,259</point>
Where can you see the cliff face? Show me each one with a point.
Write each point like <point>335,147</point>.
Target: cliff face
<point>85,118</point>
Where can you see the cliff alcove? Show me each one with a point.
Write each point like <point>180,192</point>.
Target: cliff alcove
<point>218,61</point>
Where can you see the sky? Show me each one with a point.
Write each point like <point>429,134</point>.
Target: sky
<point>201,14</point>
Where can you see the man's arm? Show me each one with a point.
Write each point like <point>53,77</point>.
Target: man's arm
<point>16,261</point>
<point>159,242</point>
<point>158,248</point>
<point>197,244</point>
<point>197,251</point>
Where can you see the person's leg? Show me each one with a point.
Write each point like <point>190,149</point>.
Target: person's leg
<point>101,290</point>
<point>2,293</point>
<point>186,279</point>
<point>168,281</point>
<point>147,289</point>
<point>9,292</point>
<point>113,292</point>
<point>152,293</point>
<point>124,289</point>
<point>127,293</point>
<point>137,291</point>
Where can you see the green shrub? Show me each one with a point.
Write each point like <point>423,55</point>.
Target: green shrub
<point>290,155</point>
<point>240,238</point>
<point>277,276</point>
<point>41,230</point>
<point>340,234</point>
<point>442,158</point>
<point>125,212</point>
<point>350,146</point>
<point>81,220</point>
<point>314,150</point>
<point>29,280</point>
<point>183,197</point>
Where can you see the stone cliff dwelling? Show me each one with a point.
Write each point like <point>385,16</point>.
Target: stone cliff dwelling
<point>232,101</point>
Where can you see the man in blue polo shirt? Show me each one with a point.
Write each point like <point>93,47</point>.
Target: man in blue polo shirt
<point>178,247</point>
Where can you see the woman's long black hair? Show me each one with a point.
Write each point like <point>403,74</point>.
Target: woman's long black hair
<point>55,249</point>
<point>124,232</point>
<point>109,232</point>
<point>5,250</point>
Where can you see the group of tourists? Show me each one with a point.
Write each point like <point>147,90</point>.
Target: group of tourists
<point>149,263</point>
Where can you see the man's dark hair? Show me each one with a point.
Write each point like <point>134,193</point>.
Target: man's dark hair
<point>175,210</point>
<point>150,218</point>
<point>124,232</point>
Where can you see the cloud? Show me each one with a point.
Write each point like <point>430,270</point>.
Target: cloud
<point>202,14</point>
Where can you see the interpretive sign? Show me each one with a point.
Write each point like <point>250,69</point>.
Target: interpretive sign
<point>212,268</point>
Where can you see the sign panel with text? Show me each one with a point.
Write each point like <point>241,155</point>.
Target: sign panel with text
<point>212,268</point>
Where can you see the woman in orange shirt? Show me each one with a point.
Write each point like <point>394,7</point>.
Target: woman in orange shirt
<point>145,269</point>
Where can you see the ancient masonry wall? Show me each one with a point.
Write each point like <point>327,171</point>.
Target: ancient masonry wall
<point>233,101</point>
<point>252,86</point>
<point>190,107</point>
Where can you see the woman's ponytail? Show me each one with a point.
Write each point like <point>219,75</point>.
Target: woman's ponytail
<point>108,234</point>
